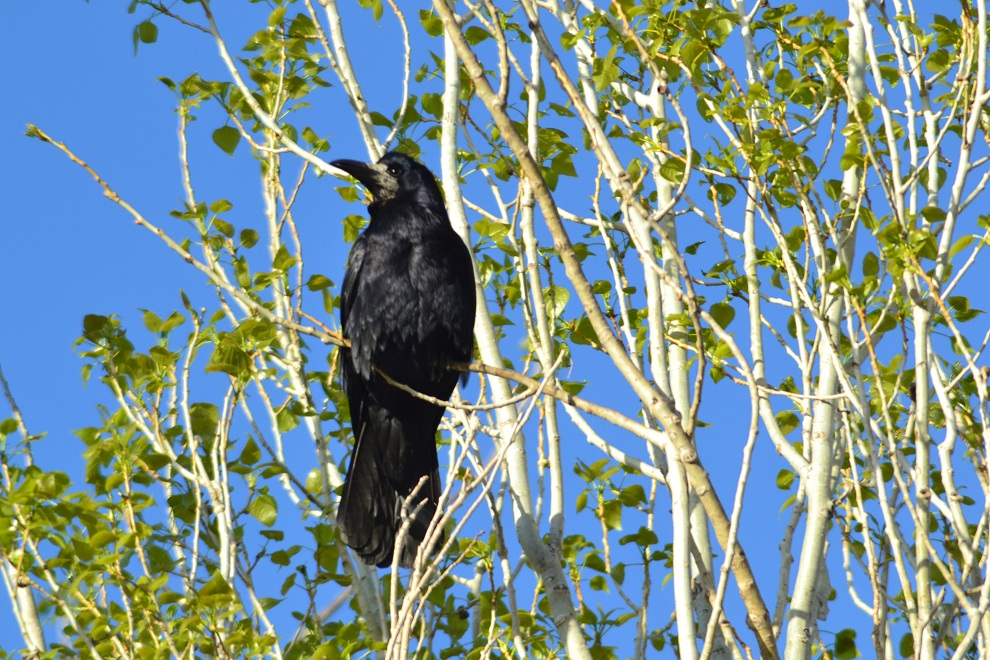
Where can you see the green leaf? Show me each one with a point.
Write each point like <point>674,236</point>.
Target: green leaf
<point>787,421</point>
<point>283,260</point>
<point>145,33</point>
<point>431,22</point>
<point>564,165</point>
<point>961,309</point>
<point>940,61</point>
<point>556,298</point>
<point>227,138</point>
<point>242,272</point>
<point>224,227</point>
<point>777,14</point>
<point>173,321</point>
<point>836,274</point>
<point>249,238</point>
<point>251,454</point>
<point>497,231</point>
<point>204,418</point>
<point>632,495</point>
<point>643,538</point>
<point>318,143</point>
<point>500,320</point>
<point>82,550</point>
<point>595,563</point>
<point>276,16</point>
<point>347,193</point>
<point>693,248</point>
<point>833,189</point>
<point>605,70</point>
<point>871,265</point>
<point>102,538</point>
<point>377,9</point>
<point>722,313</point>
<point>287,420</point>
<point>432,104</point>
<point>933,214</point>
<point>725,192</point>
<point>475,34</point>
<point>183,507</point>
<point>573,387</point>
<point>845,645</point>
<point>693,55</point>
<point>785,479</point>
<point>923,244</point>
<point>215,591</point>
<point>160,559</point>
<point>318,282</point>
<point>151,321</point>
<point>229,360</point>
<point>314,482</point>
<point>378,119</point>
<point>672,170</point>
<point>961,244</point>
<point>221,206</point>
<point>567,40</point>
<point>784,80</point>
<point>353,224</point>
<point>264,508</point>
<point>612,514</point>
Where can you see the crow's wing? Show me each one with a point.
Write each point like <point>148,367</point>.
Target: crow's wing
<point>352,276</point>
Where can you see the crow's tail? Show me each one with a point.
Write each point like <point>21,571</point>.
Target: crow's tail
<point>370,514</point>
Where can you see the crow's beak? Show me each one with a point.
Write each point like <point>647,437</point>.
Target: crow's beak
<point>373,177</point>
<point>360,171</point>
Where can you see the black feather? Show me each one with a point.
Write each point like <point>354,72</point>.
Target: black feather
<point>407,307</point>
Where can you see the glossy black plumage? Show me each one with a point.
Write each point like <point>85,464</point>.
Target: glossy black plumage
<point>407,307</point>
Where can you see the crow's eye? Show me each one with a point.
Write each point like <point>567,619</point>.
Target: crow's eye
<point>393,170</point>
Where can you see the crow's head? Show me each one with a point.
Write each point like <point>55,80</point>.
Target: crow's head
<point>395,176</point>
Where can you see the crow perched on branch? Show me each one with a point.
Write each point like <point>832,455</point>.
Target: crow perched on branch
<point>407,307</point>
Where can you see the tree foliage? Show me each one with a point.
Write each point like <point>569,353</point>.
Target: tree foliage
<point>708,236</point>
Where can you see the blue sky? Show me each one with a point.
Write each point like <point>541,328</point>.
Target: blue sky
<point>67,250</point>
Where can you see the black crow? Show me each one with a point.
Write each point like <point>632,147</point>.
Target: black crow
<point>407,307</point>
